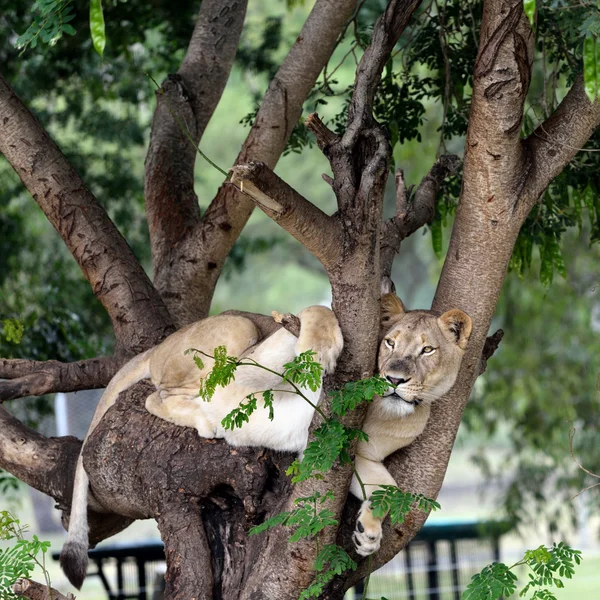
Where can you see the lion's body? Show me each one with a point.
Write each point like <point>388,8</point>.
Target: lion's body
<point>392,421</point>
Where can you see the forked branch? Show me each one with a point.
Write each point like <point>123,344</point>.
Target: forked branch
<point>411,215</point>
<point>193,277</point>
<point>138,315</point>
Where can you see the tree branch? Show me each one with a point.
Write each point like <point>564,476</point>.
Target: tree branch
<point>490,346</point>
<point>37,591</point>
<point>315,230</point>
<point>138,315</point>
<point>208,246</point>
<point>187,99</point>
<point>556,141</point>
<point>411,216</point>
<point>183,533</point>
<point>386,32</point>
<point>35,378</point>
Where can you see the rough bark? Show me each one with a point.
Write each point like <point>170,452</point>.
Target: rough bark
<point>26,588</point>
<point>202,255</point>
<point>412,214</point>
<point>187,100</point>
<point>48,465</point>
<point>315,230</point>
<point>556,141</point>
<point>139,317</point>
<point>36,378</point>
<point>203,487</point>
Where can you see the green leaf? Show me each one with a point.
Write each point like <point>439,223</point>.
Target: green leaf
<point>304,371</point>
<point>268,400</point>
<point>496,580</point>
<point>436,236</point>
<point>12,330</point>
<point>332,560</point>
<point>391,499</point>
<point>97,26</point>
<point>222,373</point>
<point>529,8</point>
<point>306,518</point>
<point>355,392</point>
<point>590,66</point>
<point>331,440</point>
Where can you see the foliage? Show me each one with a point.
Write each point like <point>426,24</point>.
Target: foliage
<point>331,444</point>
<point>20,558</point>
<point>12,330</point>
<point>52,19</point>
<point>8,483</point>
<point>546,567</point>
<point>544,376</point>
<point>390,499</point>
<point>332,560</point>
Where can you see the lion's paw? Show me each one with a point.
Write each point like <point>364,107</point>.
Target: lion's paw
<point>368,533</point>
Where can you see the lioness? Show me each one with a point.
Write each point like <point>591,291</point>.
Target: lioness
<point>419,354</point>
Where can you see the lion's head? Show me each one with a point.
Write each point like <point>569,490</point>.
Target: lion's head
<point>420,353</point>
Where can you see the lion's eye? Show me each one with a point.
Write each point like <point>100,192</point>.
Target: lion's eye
<point>428,350</point>
<point>389,343</point>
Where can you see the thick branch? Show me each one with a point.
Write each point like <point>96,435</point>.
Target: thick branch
<point>319,233</point>
<point>37,591</point>
<point>47,464</point>
<point>207,248</point>
<point>502,75</point>
<point>412,215</point>
<point>139,316</point>
<point>35,378</point>
<point>386,32</point>
<point>556,141</point>
<point>186,100</point>
<point>182,531</point>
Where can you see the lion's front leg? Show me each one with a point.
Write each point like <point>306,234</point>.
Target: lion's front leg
<point>320,332</point>
<point>368,531</point>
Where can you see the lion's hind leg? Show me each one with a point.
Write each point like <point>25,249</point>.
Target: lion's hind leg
<point>180,408</point>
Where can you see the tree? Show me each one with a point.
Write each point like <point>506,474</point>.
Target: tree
<point>203,495</point>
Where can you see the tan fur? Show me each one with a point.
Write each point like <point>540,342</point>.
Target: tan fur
<point>392,421</point>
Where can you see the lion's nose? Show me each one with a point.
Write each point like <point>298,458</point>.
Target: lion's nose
<point>395,381</point>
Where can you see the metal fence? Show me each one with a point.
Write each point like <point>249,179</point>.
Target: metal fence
<point>437,565</point>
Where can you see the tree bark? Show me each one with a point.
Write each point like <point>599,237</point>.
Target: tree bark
<point>26,588</point>
<point>36,378</point>
<point>189,484</point>
<point>139,317</point>
<point>185,104</point>
<point>203,252</point>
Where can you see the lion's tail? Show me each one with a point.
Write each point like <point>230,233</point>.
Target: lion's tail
<point>74,555</point>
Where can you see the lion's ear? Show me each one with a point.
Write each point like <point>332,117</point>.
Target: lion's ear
<point>458,325</point>
<point>391,307</point>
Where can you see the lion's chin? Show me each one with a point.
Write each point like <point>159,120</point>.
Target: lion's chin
<point>399,406</point>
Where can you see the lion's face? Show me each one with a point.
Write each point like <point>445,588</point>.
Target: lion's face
<point>419,354</point>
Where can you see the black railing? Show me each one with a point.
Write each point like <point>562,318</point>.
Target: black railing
<point>437,565</point>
